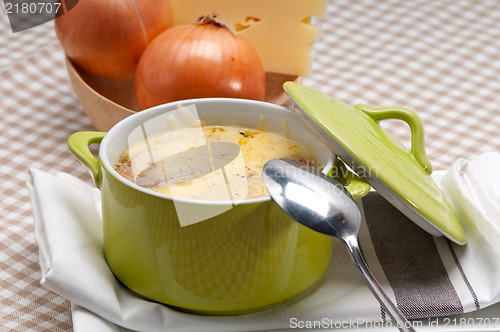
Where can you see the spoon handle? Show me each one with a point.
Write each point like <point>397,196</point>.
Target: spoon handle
<point>402,323</point>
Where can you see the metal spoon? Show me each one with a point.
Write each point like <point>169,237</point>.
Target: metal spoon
<point>324,205</point>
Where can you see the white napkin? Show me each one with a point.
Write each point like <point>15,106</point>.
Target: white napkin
<point>473,189</point>
<point>68,232</point>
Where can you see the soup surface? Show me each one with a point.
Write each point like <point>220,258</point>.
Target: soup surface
<point>210,163</point>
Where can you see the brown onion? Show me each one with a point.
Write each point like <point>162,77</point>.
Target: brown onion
<point>107,37</point>
<point>203,59</point>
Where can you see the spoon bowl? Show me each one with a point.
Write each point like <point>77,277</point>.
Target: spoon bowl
<point>324,205</point>
<point>306,194</point>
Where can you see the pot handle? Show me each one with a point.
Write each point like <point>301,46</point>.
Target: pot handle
<point>79,143</point>
<point>357,186</point>
<point>416,127</point>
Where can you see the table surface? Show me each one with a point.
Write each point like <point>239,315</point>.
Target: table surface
<point>438,58</point>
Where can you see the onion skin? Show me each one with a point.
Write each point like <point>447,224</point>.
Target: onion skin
<point>198,61</point>
<point>107,37</point>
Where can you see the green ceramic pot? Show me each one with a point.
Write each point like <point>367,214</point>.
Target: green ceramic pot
<point>245,258</point>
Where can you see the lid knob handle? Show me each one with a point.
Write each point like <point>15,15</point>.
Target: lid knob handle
<point>416,127</point>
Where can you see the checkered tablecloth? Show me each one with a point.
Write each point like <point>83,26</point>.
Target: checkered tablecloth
<point>438,58</point>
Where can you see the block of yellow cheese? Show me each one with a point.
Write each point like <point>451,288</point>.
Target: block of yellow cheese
<point>279,30</point>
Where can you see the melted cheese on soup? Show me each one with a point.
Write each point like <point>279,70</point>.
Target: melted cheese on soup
<point>179,163</point>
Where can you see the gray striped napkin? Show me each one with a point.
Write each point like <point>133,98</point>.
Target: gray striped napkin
<point>412,263</point>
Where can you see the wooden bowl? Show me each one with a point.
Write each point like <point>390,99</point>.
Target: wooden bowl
<point>106,102</point>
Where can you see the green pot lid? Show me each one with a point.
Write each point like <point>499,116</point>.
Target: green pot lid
<point>402,177</point>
